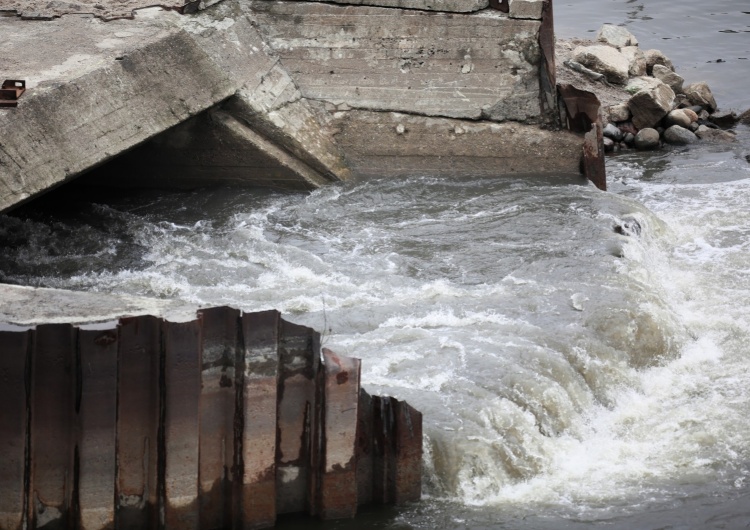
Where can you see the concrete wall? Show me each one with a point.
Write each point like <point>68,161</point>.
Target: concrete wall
<point>296,84</point>
<point>217,422</point>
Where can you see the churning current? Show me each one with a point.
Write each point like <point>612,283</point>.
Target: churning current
<point>581,358</point>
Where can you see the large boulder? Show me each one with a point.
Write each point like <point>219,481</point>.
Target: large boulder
<point>667,76</point>
<point>616,36</point>
<point>677,135</point>
<point>605,60</point>
<point>649,106</point>
<point>654,57</point>
<point>678,117</point>
<point>619,112</point>
<point>637,60</point>
<point>700,94</point>
<point>724,118</point>
<point>637,84</point>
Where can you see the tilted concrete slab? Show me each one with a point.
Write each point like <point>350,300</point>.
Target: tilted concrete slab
<point>104,9</point>
<point>474,66</point>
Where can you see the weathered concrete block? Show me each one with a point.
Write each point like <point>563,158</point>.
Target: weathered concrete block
<point>97,425</point>
<point>668,77</point>
<point>531,9</point>
<point>411,61</point>
<point>649,106</point>
<point>451,6</point>
<point>398,145</point>
<point>604,60</point>
<point>636,59</point>
<point>14,357</point>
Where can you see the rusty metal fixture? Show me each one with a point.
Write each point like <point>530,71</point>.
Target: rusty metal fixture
<point>593,157</point>
<point>224,421</point>
<point>11,91</point>
<point>547,72</point>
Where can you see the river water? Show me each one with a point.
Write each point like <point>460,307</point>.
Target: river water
<point>582,359</point>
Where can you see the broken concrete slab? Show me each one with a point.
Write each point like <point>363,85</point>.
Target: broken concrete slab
<point>448,6</point>
<point>531,9</point>
<point>104,9</point>
<point>473,66</point>
<point>394,144</point>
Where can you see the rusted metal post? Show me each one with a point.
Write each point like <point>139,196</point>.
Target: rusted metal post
<point>338,495</point>
<point>97,416</point>
<point>53,399</point>
<point>582,116</point>
<point>258,382</point>
<point>181,427</point>
<point>406,466</point>
<point>364,449</point>
<point>138,405</point>
<point>14,364</point>
<point>296,407</point>
<point>217,415</point>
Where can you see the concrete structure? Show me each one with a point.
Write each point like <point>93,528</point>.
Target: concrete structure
<point>221,421</point>
<point>299,93</point>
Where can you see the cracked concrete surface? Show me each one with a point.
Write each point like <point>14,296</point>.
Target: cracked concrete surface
<point>104,9</point>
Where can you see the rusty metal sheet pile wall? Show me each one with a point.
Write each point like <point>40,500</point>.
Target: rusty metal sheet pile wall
<point>221,422</point>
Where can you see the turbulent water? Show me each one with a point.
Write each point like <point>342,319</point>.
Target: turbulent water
<point>581,358</point>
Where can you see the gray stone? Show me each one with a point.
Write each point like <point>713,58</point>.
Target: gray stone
<point>677,135</point>
<point>629,139</point>
<point>669,77</point>
<point>700,94</point>
<point>531,9</point>
<point>650,106</point>
<point>745,117</point>
<point>619,113</point>
<point>654,57</point>
<point>647,139</point>
<point>605,60</point>
<point>724,119</point>
<point>691,114</point>
<point>637,60</point>
<point>637,84</point>
<point>678,117</point>
<point>715,135</point>
<point>694,126</point>
<point>611,131</point>
<point>609,144</point>
<point>616,36</point>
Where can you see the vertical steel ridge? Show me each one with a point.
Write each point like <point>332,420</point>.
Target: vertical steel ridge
<point>218,423</point>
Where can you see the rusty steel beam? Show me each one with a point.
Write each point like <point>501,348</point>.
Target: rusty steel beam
<point>258,382</point>
<point>338,496</point>
<point>365,449</point>
<point>96,405</point>
<point>53,398</point>
<point>547,72</point>
<point>180,427</point>
<point>296,404</point>
<point>14,387</point>
<point>581,109</point>
<point>138,418</point>
<point>221,342</point>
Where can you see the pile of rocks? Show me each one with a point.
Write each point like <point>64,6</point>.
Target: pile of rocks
<point>657,107</point>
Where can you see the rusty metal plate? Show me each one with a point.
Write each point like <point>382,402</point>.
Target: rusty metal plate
<point>11,91</point>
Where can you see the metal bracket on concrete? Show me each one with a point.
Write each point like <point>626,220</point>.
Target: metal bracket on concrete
<point>11,90</point>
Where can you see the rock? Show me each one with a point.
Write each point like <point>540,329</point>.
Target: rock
<point>649,106</point>
<point>636,59</point>
<point>700,94</point>
<point>724,119</point>
<point>637,84</point>
<point>629,139</point>
<point>654,57</point>
<point>692,114</point>
<point>715,135</point>
<point>609,145</point>
<point>678,117</point>
<point>677,135</point>
<point>605,60</point>
<point>616,36</point>
<point>745,117</point>
<point>647,139</point>
<point>611,131</point>
<point>525,9</point>
<point>703,115</point>
<point>628,127</point>
<point>694,126</point>
<point>696,108</point>
<point>619,113</point>
<point>667,76</point>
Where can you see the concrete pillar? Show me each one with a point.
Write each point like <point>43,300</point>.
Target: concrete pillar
<point>181,425</point>
<point>96,432</point>
<point>138,418</point>
<point>53,400</point>
<point>258,439</point>
<point>14,358</point>
<point>221,335</point>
